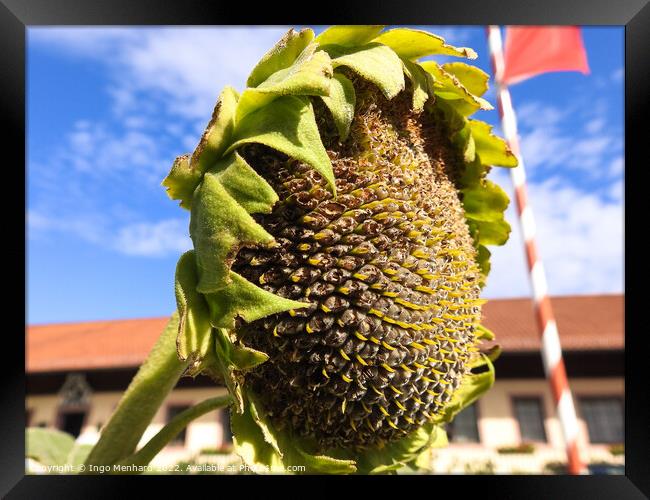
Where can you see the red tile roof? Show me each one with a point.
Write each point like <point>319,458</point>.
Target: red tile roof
<point>585,323</point>
<point>91,345</point>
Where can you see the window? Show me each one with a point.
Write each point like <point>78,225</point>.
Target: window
<point>463,428</point>
<point>604,419</point>
<point>172,411</point>
<point>71,421</point>
<point>528,412</point>
<point>226,432</point>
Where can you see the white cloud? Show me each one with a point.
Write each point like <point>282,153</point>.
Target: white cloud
<point>185,69</point>
<point>91,42</point>
<point>595,125</point>
<point>547,143</point>
<point>145,239</point>
<point>99,177</point>
<point>593,146</point>
<point>193,66</point>
<point>544,146</point>
<point>89,227</point>
<point>100,154</point>
<point>154,239</point>
<point>618,75</point>
<point>579,228</point>
<point>539,114</point>
<point>617,166</point>
<point>616,191</point>
<point>580,240</point>
<point>98,150</point>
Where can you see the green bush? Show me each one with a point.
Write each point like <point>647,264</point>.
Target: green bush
<point>480,468</point>
<point>555,468</point>
<point>525,448</point>
<point>617,449</point>
<point>224,450</point>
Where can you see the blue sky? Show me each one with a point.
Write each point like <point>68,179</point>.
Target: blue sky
<point>110,108</point>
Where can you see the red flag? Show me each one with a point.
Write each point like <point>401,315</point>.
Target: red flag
<point>532,50</point>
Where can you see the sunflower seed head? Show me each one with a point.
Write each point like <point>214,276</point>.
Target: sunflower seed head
<point>388,267</point>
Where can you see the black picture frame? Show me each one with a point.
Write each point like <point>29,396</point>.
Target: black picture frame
<point>17,15</point>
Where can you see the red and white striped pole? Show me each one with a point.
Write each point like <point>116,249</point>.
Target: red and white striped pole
<point>551,349</point>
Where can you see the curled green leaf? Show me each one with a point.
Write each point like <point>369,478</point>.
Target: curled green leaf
<point>194,328</point>
<point>447,86</point>
<point>182,181</point>
<point>424,461</point>
<point>218,133</point>
<point>321,464</point>
<point>262,421</point>
<point>374,62</point>
<point>399,453</point>
<point>226,360</point>
<point>464,140</point>
<point>251,444</point>
<point>341,102</point>
<point>421,82</point>
<point>288,125</point>
<point>472,78</point>
<point>310,74</point>
<point>491,149</point>
<point>230,359</point>
<point>219,227</point>
<point>281,56</point>
<point>485,202</point>
<point>493,353</point>
<point>483,261</point>
<point>495,232</point>
<point>245,358</point>
<point>454,119</point>
<point>484,333</point>
<point>245,185</point>
<point>245,300</point>
<point>413,44</point>
<point>349,36</point>
<point>267,449</point>
<point>474,171</point>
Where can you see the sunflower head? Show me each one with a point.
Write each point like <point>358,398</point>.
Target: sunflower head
<point>340,214</point>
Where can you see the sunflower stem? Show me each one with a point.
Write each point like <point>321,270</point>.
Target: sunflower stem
<point>155,379</point>
<point>171,430</point>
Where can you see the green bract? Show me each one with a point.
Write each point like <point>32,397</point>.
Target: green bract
<point>223,192</point>
<point>51,447</point>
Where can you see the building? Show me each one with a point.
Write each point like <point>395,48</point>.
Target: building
<point>77,372</point>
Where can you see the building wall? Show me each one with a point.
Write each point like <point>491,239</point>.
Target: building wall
<point>497,426</point>
<point>206,432</point>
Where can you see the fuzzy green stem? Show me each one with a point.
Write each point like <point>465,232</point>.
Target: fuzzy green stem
<point>155,379</point>
<point>176,425</point>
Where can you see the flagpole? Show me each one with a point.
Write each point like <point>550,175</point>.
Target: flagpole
<point>551,349</point>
